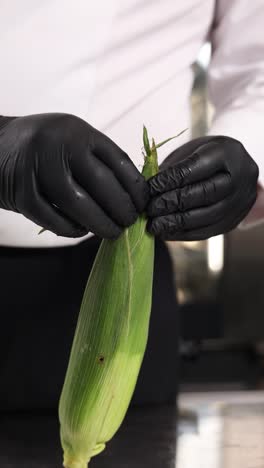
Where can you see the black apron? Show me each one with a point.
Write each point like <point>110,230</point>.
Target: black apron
<point>40,296</point>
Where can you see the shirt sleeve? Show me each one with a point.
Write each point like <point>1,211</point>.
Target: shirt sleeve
<point>236,81</point>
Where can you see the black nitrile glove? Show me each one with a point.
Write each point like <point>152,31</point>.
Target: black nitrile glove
<point>205,188</point>
<point>67,177</point>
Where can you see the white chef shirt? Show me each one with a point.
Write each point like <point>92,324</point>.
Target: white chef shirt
<point>121,63</point>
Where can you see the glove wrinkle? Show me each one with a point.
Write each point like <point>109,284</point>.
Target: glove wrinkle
<point>205,188</point>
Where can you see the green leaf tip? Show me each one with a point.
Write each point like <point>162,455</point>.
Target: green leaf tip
<point>146,141</point>
<point>154,147</point>
<point>171,138</point>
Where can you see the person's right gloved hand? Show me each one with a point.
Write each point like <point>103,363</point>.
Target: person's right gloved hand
<point>67,177</point>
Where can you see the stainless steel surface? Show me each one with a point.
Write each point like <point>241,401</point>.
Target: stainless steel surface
<point>242,291</point>
<point>195,279</point>
<point>198,268</point>
<point>228,431</point>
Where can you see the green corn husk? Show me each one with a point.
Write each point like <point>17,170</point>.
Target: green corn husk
<point>110,339</point>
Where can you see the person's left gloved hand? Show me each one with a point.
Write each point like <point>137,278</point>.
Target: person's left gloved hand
<point>204,188</point>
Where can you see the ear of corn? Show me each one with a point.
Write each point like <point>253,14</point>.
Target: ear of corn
<point>110,339</point>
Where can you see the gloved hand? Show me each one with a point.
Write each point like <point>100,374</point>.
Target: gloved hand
<point>205,188</point>
<point>67,177</point>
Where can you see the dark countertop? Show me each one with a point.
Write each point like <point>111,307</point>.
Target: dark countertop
<point>146,439</point>
<point>211,430</point>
